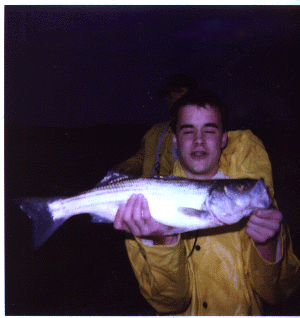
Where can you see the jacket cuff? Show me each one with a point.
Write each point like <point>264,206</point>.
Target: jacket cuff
<point>259,266</point>
<point>265,275</point>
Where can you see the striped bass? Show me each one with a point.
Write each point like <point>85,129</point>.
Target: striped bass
<point>183,204</point>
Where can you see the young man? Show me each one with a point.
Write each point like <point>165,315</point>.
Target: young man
<point>221,271</point>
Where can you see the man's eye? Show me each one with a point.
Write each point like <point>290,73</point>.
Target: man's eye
<point>186,132</point>
<point>210,131</point>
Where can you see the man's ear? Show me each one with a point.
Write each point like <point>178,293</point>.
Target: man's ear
<point>224,140</point>
<point>174,141</point>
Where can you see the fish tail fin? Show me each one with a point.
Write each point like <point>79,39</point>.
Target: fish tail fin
<point>43,225</point>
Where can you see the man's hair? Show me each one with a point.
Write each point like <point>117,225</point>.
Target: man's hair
<point>201,98</point>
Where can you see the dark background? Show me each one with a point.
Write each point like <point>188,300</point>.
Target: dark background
<point>80,85</point>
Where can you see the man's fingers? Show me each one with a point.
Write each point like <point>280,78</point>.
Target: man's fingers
<point>271,214</point>
<point>123,219</point>
<point>263,225</point>
<point>135,224</point>
<point>145,210</point>
<point>118,221</point>
<point>266,219</point>
<point>137,209</point>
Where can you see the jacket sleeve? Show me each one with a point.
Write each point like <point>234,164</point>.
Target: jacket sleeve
<point>162,274</point>
<point>273,282</point>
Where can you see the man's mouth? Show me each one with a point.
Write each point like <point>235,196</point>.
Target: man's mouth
<point>199,154</point>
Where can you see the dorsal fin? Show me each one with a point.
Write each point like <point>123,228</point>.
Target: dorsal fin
<point>112,177</point>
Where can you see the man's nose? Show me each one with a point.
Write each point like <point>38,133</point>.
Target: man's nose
<point>199,138</point>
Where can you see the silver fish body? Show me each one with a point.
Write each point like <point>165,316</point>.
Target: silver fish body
<point>185,205</point>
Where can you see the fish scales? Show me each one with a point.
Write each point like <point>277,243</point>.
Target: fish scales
<point>185,205</point>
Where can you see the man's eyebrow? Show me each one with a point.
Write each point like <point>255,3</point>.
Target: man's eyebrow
<point>186,126</point>
<point>214,125</point>
<point>211,125</point>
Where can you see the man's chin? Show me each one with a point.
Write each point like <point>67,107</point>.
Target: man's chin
<point>201,173</point>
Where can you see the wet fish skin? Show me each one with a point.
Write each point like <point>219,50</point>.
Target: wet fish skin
<point>183,204</point>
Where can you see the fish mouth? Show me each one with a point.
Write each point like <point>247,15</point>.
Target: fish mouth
<point>199,154</point>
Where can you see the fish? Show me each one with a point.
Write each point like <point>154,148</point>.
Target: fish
<point>182,204</point>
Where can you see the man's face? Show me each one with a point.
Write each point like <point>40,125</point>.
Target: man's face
<point>175,94</point>
<point>199,141</point>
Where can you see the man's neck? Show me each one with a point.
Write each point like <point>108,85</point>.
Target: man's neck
<point>206,176</point>
<point>178,171</point>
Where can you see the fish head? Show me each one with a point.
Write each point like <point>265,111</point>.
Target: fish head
<point>229,201</point>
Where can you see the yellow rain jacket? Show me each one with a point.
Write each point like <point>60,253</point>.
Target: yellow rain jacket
<point>217,271</point>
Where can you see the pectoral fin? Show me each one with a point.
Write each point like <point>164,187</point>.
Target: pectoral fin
<point>202,214</point>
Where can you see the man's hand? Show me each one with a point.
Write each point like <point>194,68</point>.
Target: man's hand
<point>263,227</point>
<point>134,217</point>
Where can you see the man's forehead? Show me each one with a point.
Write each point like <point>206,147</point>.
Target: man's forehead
<point>198,114</point>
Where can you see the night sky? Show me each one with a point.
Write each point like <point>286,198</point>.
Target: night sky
<point>79,66</point>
